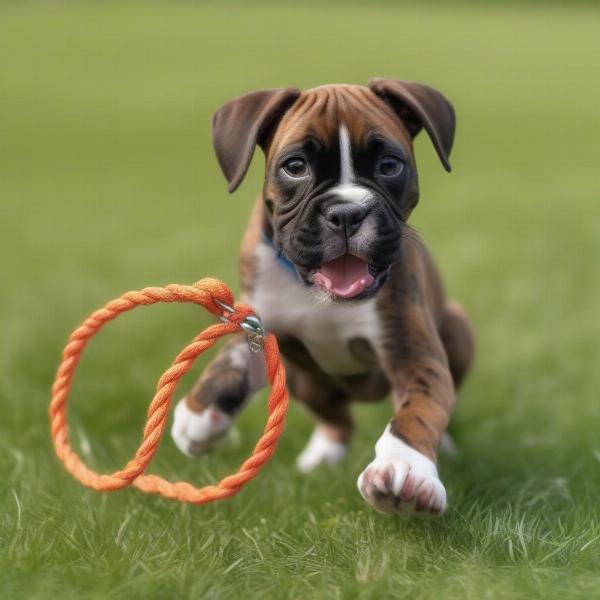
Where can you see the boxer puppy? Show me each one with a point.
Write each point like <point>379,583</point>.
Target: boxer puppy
<point>336,273</point>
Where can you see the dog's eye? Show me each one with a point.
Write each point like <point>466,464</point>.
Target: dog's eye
<point>390,166</point>
<point>295,167</point>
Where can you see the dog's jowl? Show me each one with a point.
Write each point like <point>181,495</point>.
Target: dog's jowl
<point>336,273</point>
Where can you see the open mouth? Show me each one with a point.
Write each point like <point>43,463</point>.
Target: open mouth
<point>346,276</point>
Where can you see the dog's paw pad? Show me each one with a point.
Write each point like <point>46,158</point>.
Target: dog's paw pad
<point>320,450</point>
<point>396,486</point>
<point>193,433</point>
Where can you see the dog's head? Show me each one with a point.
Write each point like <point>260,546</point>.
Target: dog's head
<point>340,177</point>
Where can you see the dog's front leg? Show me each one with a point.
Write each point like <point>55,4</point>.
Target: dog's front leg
<point>403,477</point>
<point>206,413</point>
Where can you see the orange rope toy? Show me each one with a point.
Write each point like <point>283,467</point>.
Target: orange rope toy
<point>217,298</point>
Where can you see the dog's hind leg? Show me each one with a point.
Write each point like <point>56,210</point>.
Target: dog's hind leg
<point>329,441</point>
<point>206,413</point>
<point>458,340</point>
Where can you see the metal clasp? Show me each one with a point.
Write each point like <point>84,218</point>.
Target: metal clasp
<point>252,325</point>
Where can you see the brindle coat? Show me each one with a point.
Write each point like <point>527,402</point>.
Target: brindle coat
<point>426,344</point>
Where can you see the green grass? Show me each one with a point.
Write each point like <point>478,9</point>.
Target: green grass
<point>107,182</point>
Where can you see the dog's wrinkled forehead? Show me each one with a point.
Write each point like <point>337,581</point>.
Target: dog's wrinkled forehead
<point>392,110</point>
<point>321,113</point>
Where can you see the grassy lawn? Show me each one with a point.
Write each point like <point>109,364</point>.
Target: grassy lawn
<point>108,183</point>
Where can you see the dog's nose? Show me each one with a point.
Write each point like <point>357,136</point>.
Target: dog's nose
<point>345,218</point>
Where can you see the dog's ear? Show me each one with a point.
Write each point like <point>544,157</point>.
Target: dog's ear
<point>420,106</point>
<point>244,122</point>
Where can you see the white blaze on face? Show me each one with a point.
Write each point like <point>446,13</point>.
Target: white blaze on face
<point>347,276</point>
<point>347,189</point>
<point>347,169</point>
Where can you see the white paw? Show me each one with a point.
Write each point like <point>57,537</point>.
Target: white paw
<point>193,433</point>
<point>401,480</point>
<point>320,450</point>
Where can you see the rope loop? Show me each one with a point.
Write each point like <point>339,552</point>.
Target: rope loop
<point>212,294</point>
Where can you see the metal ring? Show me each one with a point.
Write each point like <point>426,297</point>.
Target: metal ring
<point>252,325</point>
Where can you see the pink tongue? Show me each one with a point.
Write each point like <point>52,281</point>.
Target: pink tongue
<point>346,276</point>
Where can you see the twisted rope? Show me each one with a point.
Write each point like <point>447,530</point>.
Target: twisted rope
<point>207,293</point>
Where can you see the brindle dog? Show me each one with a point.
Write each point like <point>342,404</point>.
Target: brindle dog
<point>348,288</point>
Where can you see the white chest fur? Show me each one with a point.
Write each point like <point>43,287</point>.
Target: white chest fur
<point>286,305</point>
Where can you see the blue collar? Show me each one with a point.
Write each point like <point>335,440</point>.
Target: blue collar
<point>280,257</point>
